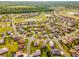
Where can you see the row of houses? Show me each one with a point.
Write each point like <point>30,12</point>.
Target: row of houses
<point>75,51</point>
<point>67,40</point>
<point>53,51</point>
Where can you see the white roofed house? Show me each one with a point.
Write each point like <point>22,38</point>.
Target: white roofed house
<point>19,54</point>
<point>1,41</point>
<point>56,52</point>
<point>36,43</point>
<point>70,24</point>
<point>51,43</point>
<point>3,50</point>
<point>37,53</point>
<point>21,31</point>
<point>44,44</point>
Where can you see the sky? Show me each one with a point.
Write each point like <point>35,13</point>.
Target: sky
<point>39,0</point>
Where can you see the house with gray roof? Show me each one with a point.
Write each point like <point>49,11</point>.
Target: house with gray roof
<point>3,50</point>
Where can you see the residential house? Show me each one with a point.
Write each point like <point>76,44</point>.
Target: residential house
<point>1,41</point>
<point>3,50</point>
<point>55,52</point>
<point>37,53</point>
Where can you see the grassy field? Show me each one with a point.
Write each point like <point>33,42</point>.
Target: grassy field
<point>68,13</point>
<point>21,7</point>
<point>4,27</point>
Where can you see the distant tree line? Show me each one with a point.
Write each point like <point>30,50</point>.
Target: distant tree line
<point>5,10</point>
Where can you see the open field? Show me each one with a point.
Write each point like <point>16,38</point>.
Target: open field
<point>21,7</point>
